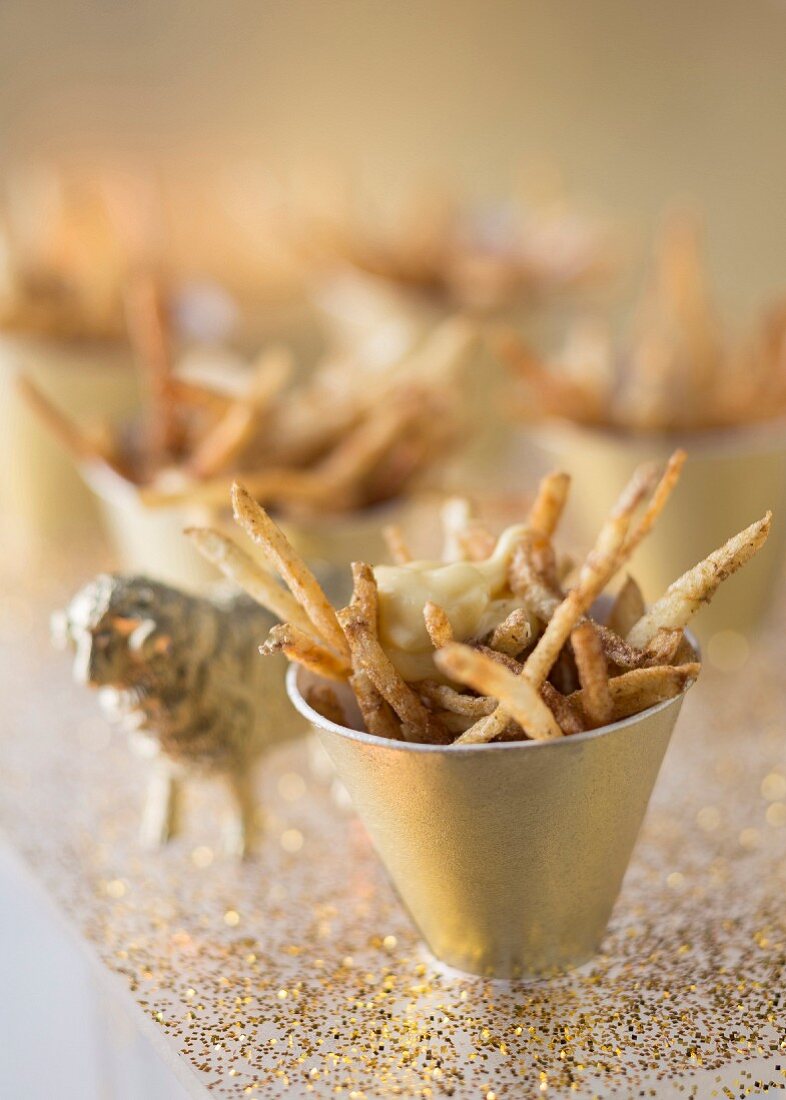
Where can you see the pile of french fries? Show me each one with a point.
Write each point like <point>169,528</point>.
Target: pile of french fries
<point>463,259</point>
<point>677,371</point>
<point>352,435</point>
<point>547,667</point>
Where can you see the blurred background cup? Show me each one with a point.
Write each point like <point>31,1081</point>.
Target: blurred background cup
<point>41,492</point>
<point>509,857</point>
<point>149,540</point>
<point>731,478</point>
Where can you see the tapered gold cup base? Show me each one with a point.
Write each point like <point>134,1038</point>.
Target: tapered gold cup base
<point>509,857</point>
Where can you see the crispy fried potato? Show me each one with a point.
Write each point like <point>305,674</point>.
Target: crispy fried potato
<point>514,633</point>
<point>301,647</point>
<point>684,597</point>
<point>379,718</point>
<point>520,698</point>
<point>396,544</point>
<point>438,625</point>
<point>290,566</point>
<point>549,504</point>
<point>359,623</point>
<point>642,688</point>
<point>593,674</point>
<point>241,568</point>
<point>323,699</point>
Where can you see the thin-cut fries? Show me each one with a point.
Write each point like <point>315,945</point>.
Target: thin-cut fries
<point>438,625</point>
<point>339,441</point>
<point>593,673</point>
<point>301,647</point>
<point>293,570</point>
<point>507,654</point>
<point>684,597</point>
<point>396,544</point>
<point>675,369</point>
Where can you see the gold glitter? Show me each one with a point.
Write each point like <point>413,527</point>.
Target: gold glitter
<point>675,881</point>
<point>728,650</point>
<point>750,838</point>
<point>283,994</point>
<point>773,787</point>
<point>232,917</point>
<point>776,814</point>
<point>116,888</point>
<point>291,840</point>
<point>202,856</point>
<point>389,943</point>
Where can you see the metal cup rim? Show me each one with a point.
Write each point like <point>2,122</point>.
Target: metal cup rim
<point>765,436</point>
<point>316,719</point>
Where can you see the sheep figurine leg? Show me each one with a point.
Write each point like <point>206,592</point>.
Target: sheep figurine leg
<point>240,830</point>
<point>162,810</point>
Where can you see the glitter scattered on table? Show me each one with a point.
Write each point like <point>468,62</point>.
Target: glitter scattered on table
<point>300,974</point>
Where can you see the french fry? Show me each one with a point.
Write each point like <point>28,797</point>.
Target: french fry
<point>240,567</point>
<point>684,597</point>
<point>68,434</point>
<point>377,715</point>
<point>664,647</point>
<point>323,699</point>
<point>292,569</point>
<point>359,623</point>
<point>593,674</point>
<point>549,504</point>
<point>660,497</point>
<point>514,633</point>
<point>476,541</point>
<point>470,706</point>
<point>438,625</point>
<point>455,514</point>
<point>224,442</point>
<point>520,698</point>
<point>568,715</point>
<point>642,688</point>
<point>627,609</point>
<point>301,647</point>
<point>603,561</point>
<point>149,334</point>
<point>396,544</point>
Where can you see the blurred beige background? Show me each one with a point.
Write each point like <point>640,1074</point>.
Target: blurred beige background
<point>639,104</point>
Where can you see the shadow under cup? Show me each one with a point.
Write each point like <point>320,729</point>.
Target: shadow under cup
<point>509,857</point>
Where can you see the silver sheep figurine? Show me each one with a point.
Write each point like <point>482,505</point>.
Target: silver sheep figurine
<point>183,677</point>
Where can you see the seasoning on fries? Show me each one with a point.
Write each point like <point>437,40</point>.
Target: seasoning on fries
<point>351,436</point>
<point>499,646</point>
<point>677,369</point>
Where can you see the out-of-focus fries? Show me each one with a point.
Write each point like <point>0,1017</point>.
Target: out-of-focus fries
<point>473,649</point>
<point>460,256</point>
<point>677,370</point>
<point>351,436</point>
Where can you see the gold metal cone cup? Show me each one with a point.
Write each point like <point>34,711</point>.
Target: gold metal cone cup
<point>509,857</point>
<point>730,480</point>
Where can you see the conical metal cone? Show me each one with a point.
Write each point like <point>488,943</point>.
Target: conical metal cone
<point>509,857</point>
<point>730,480</point>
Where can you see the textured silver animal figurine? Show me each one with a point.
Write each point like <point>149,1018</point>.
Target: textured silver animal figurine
<point>182,675</point>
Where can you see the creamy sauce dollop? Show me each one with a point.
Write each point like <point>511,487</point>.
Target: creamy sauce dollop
<point>474,595</point>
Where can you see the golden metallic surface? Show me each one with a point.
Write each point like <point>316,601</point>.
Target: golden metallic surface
<point>509,857</point>
<point>730,479</point>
